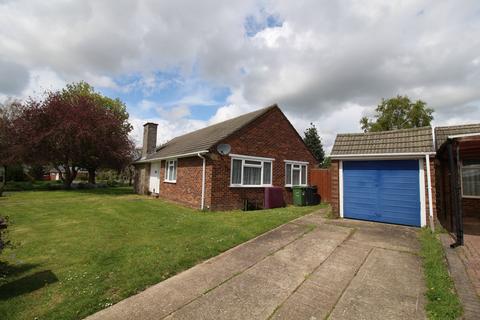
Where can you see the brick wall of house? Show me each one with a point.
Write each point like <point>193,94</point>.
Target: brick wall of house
<point>270,136</point>
<point>187,190</point>
<point>335,188</point>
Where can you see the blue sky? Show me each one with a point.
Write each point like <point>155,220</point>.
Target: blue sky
<point>188,64</point>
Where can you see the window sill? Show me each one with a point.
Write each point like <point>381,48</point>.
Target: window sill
<point>242,186</point>
<point>170,181</point>
<point>300,185</point>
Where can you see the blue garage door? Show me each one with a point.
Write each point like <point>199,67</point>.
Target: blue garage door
<point>383,191</point>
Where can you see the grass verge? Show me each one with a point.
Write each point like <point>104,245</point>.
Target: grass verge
<point>442,300</point>
<point>76,252</point>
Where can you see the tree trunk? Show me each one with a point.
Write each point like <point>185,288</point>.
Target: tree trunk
<point>91,176</point>
<point>3,180</point>
<point>68,177</point>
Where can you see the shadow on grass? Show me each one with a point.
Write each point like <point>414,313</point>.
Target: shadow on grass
<point>27,284</point>
<point>8,270</point>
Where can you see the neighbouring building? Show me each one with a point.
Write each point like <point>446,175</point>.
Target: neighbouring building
<point>410,177</point>
<point>223,166</point>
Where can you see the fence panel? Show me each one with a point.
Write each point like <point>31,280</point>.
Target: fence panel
<point>322,178</point>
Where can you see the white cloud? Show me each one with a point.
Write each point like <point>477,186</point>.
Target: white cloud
<point>329,62</point>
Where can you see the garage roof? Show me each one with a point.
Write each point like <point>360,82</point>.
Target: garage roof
<point>442,133</point>
<point>417,140</point>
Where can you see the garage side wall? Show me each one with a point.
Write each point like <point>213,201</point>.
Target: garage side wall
<point>335,188</point>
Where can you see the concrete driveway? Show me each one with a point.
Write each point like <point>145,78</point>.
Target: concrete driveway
<point>310,268</point>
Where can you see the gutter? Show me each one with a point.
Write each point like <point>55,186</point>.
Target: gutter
<point>202,204</point>
<point>183,155</point>
<point>429,188</point>
<point>466,135</point>
<point>382,155</point>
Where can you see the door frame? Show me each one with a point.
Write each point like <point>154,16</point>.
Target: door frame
<point>421,179</point>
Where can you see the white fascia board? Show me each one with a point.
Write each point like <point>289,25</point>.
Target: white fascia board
<point>404,155</point>
<point>241,156</point>
<point>184,155</point>
<point>466,135</point>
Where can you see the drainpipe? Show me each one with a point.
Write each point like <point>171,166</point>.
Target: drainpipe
<point>429,188</point>
<point>202,205</point>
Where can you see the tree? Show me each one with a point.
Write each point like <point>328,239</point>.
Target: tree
<point>72,129</point>
<point>314,143</point>
<point>398,113</point>
<point>115,150</point>
<point>8,111</point>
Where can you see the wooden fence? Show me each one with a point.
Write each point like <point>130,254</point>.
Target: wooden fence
<point>322,178</point>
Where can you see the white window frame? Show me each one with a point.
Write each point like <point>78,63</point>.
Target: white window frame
<point>300,164</point>
<point>461,181</point>
<point>261,166</point>
<point>171,163</point>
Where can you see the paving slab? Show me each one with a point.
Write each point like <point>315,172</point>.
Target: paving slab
<point>257,292</point>
<point>165,297</point>
<point>389,285</point>
<point>381,235</point>
<point>317,296</point>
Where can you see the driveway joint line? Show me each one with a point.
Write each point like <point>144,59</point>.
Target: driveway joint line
<point>306,231</point>
<point>308,276</point>
<point>350,282</point>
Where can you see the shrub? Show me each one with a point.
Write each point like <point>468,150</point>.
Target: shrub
<point>3,233</point>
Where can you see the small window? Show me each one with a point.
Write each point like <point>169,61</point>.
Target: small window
<point>295,174</point>
<point>251,172</point>
<point>171,171</point>
<point>471,178</point>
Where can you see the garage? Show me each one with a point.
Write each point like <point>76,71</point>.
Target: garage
<point>383,191</point>
<point>384,176</point>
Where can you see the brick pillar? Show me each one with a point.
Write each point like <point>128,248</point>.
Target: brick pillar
<point>335,188</point>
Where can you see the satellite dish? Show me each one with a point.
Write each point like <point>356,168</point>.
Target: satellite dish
<point>224,149</point>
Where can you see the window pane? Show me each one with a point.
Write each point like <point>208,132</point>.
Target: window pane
<point>237,172</point>
<point>267,174</point>
<point>296,177</point>
<point>304,174</point>
<point>252,176</point>
<point>288,174</point>
<point>258,163</point>
<point>471,181</point>
<point>174,170</point>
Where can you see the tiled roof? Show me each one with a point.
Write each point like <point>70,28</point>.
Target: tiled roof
<point>206,138</point>
<point>395,141</point>
<point>442,133</point>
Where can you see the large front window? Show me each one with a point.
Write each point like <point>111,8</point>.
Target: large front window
<point>471,178</point>
<point>171,171</point>
<point>251,172</point>
<point>295,174</point>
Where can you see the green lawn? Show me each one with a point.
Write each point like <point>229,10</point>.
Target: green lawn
<point>76,252</point>
<point>442,300</point>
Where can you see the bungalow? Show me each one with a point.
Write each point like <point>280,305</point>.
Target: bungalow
<point>409,177</point>
<point>226,165</point>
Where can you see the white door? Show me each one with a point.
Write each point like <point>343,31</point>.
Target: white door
<point>154,186</point>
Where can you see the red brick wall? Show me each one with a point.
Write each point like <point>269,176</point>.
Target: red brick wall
<point>270,136</point>
<point>433,184</point>
<point>471,207</point>
<point>335,188</point>
<point>188,188</point>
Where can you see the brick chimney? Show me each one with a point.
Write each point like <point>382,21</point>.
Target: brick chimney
<point>149,138</point>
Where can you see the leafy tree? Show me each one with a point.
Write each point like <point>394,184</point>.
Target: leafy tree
<point>314,143</point>
<point>72,129</point>
<point>398,113</point>
<point>8,111</point>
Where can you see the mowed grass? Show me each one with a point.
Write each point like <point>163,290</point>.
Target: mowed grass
<point>76,252</point>
<point>442,300</point>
